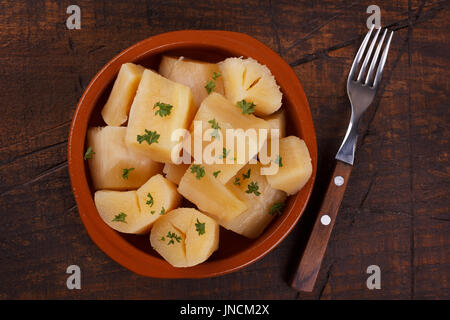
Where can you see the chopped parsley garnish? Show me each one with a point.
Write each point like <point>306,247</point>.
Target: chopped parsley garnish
<point>120,217</point>
<point>162,238</point>
<point>216,173</point>
<point>246,175</point>
<point>164,109</point>
<point>152,212</point>
<point>125,172</point>
<point>149,136</point>
<point>276,208</point>
<point>89,153</point>
<point>150,200</point>
<point>198,170</point>
<point>225,153</point>
<point>237,181</point>
<point>200,227</point>
<point>278,161</point>
<point>214,124</point>
<point>216,75</point>
<point>216,128</point>
<point>173,236</point>
<point>210,86</point>
<point>253,188</point>
<point>247,107</point>
<point>163,211</point>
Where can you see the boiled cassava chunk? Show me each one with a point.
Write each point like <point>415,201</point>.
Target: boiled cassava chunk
<point>160,107</point>
<point>136,211</point>
<point>247,79</point>
<point>115,166</point>
<point>217,114</point>
<point>185,237</point>
<point>294,164</point>
<point>263,202</point>
<point>119,210</point>
<point>115,111</point>
<point>158,196</point>
<point>197,75</point>
<point>200,186</point>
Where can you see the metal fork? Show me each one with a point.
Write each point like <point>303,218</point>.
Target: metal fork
<point>362,84</point>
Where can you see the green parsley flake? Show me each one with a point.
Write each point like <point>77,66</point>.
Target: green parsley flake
<point>214,124</point>
<point>198,170</point>
<point>216,127</point>
<point>164,109</point>
<point>216,75</point>
<point>277,207</point>
<point>200,227</point>
<point>150,200</point>
<point>89,153</point>
<point>253,188</point>
<point>210,86</point>
<point>225,153</point>
<point>278,161</point>
<point>173,236</point>
<point>216,173</point>
<point>237,181</point>
<point>247,107</point>
<point>149,136</point>
<point>163,211</point>
<point>125,172</point>
<point>246,175</point>
<point>120,217</point>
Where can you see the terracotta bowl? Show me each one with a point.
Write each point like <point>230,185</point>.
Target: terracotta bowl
<point>235,252</point>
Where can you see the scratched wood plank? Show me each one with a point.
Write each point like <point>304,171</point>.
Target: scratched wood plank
<point>396,210</point>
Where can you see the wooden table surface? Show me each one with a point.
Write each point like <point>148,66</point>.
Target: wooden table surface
<point>395,213</point>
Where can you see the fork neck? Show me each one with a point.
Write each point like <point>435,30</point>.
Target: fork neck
<point>346,152</point>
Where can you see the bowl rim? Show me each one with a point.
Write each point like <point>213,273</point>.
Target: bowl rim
<point>108,240</point>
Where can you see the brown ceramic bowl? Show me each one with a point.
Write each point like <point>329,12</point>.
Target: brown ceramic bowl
<point>235,252</point>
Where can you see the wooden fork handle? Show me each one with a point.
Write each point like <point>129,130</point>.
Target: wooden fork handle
<point>309,265</point>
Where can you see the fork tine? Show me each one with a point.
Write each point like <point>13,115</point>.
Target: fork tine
<point>363,69</point>
<point>382,61</point>
<point>375,58</point>
<point>359,54</point>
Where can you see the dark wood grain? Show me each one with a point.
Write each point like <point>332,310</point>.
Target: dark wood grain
<point>305,277</point>
<point>395,212</point>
